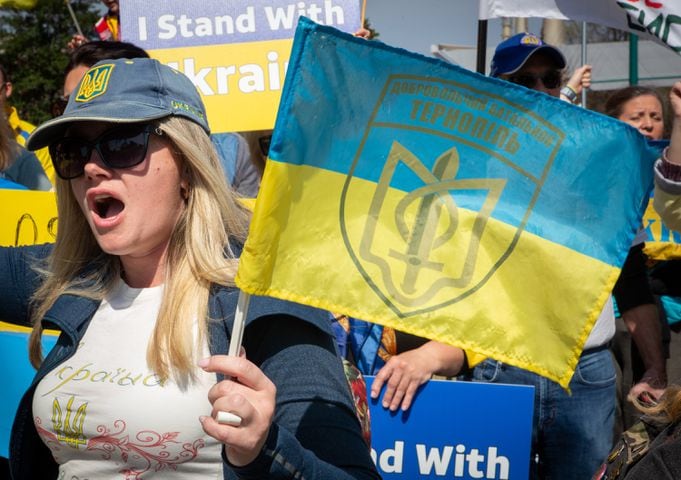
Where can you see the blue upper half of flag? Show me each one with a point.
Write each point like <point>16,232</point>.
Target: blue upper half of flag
<point>570,176</point>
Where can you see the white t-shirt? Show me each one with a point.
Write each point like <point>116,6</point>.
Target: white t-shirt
<point>105,415</point>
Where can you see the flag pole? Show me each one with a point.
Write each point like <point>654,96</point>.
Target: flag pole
<point>363,14</point>
<point>239,323</point>
<point>73,16</point>
<point>584,60</point>
<point>229,418</point>
<point>482,47</point>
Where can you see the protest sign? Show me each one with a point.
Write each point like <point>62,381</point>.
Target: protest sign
<point>26,218</point>
<point>236,53</point>
<point>455,430</point>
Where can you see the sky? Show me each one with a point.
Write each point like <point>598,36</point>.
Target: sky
<point>415,25</point>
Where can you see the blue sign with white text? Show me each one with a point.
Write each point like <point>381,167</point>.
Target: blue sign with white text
<point>179,23</point>
<point>462,430</point>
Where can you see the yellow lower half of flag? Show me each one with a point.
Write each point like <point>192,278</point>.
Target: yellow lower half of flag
<point>423,265</point>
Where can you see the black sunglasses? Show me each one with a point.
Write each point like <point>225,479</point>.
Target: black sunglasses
<point>550,79</point>
<point>122,147</point>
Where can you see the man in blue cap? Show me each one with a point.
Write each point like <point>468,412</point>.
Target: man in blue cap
<point>572,432</point>
<point>526,60</point>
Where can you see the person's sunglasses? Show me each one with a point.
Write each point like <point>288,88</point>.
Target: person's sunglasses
<point>550,79</point>
<point>122,147</point>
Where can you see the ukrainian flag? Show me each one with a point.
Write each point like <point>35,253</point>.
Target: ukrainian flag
<point>421,196</point>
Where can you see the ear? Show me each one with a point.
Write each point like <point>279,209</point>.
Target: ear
<point>184,189</point>
<point>8,89</point>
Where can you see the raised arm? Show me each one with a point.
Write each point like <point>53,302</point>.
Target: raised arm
<point>667,200</point>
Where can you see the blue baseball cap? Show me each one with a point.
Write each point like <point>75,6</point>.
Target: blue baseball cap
<point>125,91</point>
<point>511,54</point>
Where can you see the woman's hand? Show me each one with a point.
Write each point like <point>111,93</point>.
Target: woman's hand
<point>675,99</point>
<point>247,393</point>
<point>76,41</point>
<point>403,374</point>
<point>580,79</point>
<point>674,151</point>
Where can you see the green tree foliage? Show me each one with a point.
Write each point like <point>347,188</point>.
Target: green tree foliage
<point>33,50</point>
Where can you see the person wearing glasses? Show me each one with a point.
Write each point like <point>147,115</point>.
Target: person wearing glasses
<point>242,173</point>
<point>524,59</point>
<point>140,283</point>
<point>572,432</point>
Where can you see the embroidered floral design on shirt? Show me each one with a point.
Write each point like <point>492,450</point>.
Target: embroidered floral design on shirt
<point>148,449</point>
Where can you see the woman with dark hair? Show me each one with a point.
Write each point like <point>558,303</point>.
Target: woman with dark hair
<point>639,106</point>
<point>642,362</point>
<point>652,447</point>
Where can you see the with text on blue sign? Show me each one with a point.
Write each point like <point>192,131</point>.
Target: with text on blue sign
<point>456,430</point>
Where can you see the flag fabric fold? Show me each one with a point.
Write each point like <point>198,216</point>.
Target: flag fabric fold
<point>412,193</point>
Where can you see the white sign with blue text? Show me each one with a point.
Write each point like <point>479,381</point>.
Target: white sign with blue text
<point>461,430</point>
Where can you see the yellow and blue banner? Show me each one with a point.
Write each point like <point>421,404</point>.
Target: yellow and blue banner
<point>661,242</point>
<point>418,195</point>
<point>26,218</point>
<point>18,4</point>
<point>236,52</point>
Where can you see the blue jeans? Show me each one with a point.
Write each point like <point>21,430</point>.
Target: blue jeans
<point>571,434</point>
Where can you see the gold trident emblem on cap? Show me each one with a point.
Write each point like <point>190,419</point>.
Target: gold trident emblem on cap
<point>94,83</point>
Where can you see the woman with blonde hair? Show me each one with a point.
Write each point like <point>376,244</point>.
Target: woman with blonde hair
<point>140,283</point>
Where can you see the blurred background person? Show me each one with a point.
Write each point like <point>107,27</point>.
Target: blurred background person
<point>19,165</point>
<point>20,129</point>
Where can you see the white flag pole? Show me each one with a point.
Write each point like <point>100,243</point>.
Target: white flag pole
<point>239,323</point>
<point>229,418</point>
<point>584,60</point>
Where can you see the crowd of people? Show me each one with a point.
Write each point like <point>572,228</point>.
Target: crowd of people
<point>153,297</point>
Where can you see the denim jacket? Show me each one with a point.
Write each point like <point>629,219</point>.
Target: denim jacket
<point>315,429</point>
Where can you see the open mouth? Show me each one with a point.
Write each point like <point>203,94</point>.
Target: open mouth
<point>106,206</point>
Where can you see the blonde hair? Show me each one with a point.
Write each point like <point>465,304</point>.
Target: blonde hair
<point>9,148</point>
<point>200,254</point>
<point>668,409</point>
